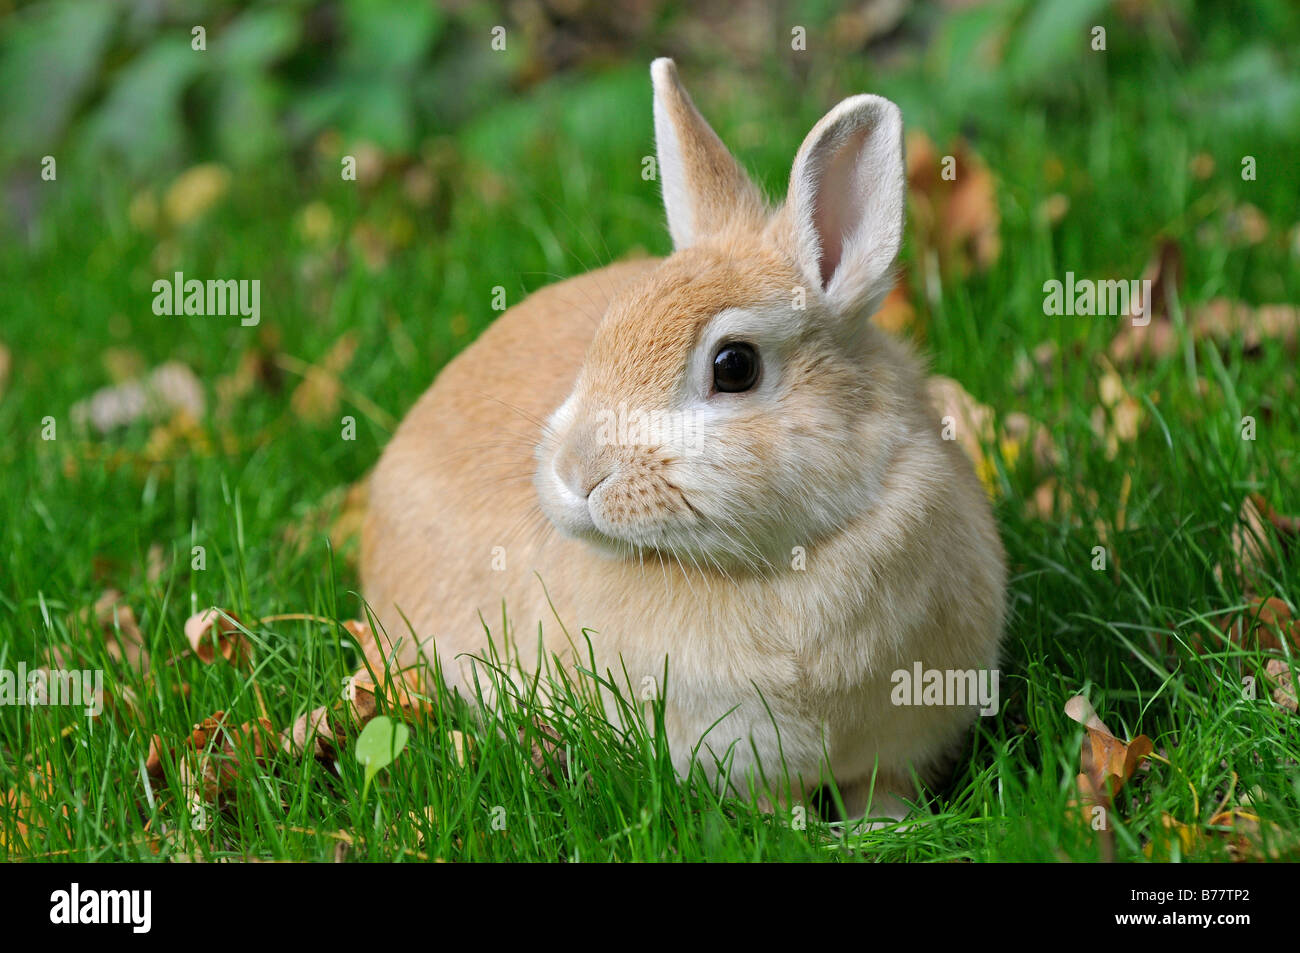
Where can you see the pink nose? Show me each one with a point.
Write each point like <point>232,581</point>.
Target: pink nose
<point>581,477</point>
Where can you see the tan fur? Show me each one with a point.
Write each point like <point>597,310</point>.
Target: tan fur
<point>842,460</point>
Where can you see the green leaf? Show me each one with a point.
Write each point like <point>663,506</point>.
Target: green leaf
<point>256,39</point>
<point>389,36</point>
<point>379,744</point>
<point>49,56</point>
<point>140,120</point>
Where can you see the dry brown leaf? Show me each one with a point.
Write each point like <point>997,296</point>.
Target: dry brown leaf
<point>23,807</point>
<point>316,398</point>
<point>896,313</point>
<point>973,427</point>
<point>311,735</point>
<point>1262,538</point>
<point>1258,626</point>
<point>1133,343</point>
<point>339,516</point>
<point>1243,838</point>
<point>213,753</point>
<point>215,632</point>
<point>1244,224</point>
<point>1053,209</point>
<point>403,694</point>
<point>257,369</point>
<point>153,765</point>
<point>1279,674</point>
<point>6,362</point>
<point>547,749</point>
<point>195,191</point>
<point>1221,320</point>
<point>123,638</point>
<point>1225,321</point>
<point>462,745</point>
<point>1107,762</point>
<point>1118,416</point>
<point>1247,833</point>
<point>1201,165</point>
<point>1189,838</point>
<point>956,218</point>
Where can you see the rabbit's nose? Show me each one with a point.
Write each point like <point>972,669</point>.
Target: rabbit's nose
<point>580,475</point>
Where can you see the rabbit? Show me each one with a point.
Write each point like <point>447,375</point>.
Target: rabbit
<point>779,531</point>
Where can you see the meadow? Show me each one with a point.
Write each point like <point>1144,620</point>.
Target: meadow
<point>1119,464</point>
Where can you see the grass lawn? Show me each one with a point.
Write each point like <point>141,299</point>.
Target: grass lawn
<point>369,287</point>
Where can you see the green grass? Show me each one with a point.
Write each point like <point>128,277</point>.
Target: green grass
<point>549,186</point>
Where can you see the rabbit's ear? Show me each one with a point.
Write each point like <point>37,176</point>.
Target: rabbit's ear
<point>704,186</point>
<point>846,202</point>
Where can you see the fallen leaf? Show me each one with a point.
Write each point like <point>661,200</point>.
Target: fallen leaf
<point>1107,762</point>
<point>168,390</point>
<point>317,396</point>
<point>153,765</point>
<point>1224,321</point>
<point>1221,320</point>
<point>1118,416</point>
<point>896,313</point>
<point>956,217</point>
<point>1201,165</point>
<point>1237,831</point>
<point>1156,338</point>
<point>1258,625</point>
<point>256,368</point>
<point>1244,225</point>
<point>973,427</point>
<point>462,745</point>
<point>27,809</point>
<point>1279,674</point>
<point>212,756</point>
<point>402,694</point>
<point>1262,538</point>
<point>546,749</point>
<point>215,632</point>
<point>403,684</point>
<point>123,638</point>
<point>1053,209</point>
<point>195,191</point>
<point>311,735</point>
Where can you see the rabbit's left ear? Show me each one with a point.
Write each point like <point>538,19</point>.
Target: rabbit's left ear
<point>846,200</point>
<point>704,186</point>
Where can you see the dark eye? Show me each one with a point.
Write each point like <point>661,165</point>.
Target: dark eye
<point>735,367</point>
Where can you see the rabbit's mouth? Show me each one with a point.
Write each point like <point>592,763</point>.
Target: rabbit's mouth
<point>647,518</point>
<point>628,507</point>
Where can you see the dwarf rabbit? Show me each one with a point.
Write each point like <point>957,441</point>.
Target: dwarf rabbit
<point>713,461</point>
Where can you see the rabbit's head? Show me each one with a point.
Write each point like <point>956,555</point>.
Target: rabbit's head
<point>737,402</point>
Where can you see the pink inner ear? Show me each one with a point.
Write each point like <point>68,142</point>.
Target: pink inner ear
<point>840,201</point>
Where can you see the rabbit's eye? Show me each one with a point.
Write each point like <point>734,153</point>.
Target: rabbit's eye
<point>735,367</point>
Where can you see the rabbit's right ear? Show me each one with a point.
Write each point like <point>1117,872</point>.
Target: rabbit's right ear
<point>704,186</point>
<point>846,203</point>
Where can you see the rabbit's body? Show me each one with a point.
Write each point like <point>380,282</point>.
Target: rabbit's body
<point>783,572</point>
